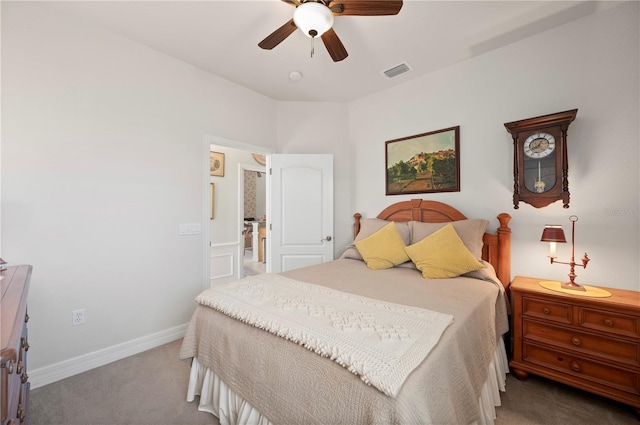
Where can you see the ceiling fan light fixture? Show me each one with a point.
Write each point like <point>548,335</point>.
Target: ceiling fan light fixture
<point>313,19</point>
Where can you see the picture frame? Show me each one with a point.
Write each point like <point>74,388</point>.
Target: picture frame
<point>424,163</point>
<point>216,162</point>
<point>212,199</point>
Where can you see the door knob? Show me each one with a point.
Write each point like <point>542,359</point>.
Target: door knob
<point>328,238</point>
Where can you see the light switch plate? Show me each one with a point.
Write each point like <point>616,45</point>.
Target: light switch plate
<point>190,229</point>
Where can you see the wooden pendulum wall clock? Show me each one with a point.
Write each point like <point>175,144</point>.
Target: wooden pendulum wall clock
<point>540,164</point>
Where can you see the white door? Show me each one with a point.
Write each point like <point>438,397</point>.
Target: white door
<point>300,211</point>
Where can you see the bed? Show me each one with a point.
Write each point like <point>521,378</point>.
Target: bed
<point>246,371</point>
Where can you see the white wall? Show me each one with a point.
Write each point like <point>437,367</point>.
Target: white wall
<point>102,144</point>
<point>590,64</point>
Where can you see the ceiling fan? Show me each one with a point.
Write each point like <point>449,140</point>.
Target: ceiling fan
<point>315,18</point>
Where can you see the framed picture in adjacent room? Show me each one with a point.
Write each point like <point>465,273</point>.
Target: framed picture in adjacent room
<point>217,163</point>
<point>424,163</point>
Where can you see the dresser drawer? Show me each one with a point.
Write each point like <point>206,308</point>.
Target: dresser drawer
<point>610,322</point>
<point>10,390</point>
<point>606,348</point>
<point>549,310</point>
<point>612,377</point>
<point>14,386</point>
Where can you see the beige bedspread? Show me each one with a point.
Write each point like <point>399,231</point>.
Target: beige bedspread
<point>291,385</point>
<point>381,342</point>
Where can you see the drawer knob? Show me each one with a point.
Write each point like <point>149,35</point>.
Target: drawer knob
<point>546,310</point>
<point>608,322</point>
<point>20,412</point>
<point>575,367</point>
<point>19,368</point>
<point>12,365</point>
<point>25,344</point>
<point>576,341</point>
<point>24,378</point>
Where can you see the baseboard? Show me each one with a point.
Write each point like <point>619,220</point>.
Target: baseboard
<point>55,372</point>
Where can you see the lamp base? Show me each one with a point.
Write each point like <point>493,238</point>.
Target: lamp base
<point>572,286</point>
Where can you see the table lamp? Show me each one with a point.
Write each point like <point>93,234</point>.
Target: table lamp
<point>553,234</point>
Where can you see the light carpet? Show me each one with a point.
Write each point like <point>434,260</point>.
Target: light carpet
<point>150,388</point>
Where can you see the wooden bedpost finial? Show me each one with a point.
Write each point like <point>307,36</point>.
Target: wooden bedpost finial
<point>504,240</point>
<point>356,225</point>
<point>504,219</point>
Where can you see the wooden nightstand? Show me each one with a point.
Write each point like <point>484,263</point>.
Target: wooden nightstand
<point>589,343</point>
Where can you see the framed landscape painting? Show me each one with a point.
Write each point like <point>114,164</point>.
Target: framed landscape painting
<point>424,163</point>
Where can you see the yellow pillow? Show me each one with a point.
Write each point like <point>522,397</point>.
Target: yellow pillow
<point>383,249</point>
<point>442,254</point>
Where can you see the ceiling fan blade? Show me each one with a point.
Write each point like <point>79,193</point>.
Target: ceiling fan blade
<point>295,3</point>
<point>276,37</point>
<point>365,7</point>
<point>334,45</point>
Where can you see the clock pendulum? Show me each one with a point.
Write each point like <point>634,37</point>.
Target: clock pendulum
<point>539,185</point>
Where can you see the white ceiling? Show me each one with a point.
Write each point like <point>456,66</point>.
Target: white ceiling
<point>222,37</point>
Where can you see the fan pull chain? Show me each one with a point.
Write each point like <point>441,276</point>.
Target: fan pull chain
<point>313,34</point>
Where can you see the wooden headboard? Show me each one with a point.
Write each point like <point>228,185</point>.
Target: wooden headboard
<point>496,249</point>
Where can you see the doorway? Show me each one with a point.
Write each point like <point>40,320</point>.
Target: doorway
<point>299,205</point>
<point>253,189</point>
<point>224,224</point>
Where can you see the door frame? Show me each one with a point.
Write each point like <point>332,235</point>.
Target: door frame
<point>206,194</point>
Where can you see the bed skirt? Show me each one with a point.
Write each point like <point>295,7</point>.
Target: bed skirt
<point>219,400</point>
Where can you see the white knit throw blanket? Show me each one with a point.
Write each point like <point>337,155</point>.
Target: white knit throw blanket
<point>378,341</point>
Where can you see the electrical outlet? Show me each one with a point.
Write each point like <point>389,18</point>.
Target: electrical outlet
<point>77,317</point>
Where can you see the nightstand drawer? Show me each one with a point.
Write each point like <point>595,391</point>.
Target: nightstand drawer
<point>614,323</point>
<point>557,312</point>
<point>616,350</point>
<point>573,365</point>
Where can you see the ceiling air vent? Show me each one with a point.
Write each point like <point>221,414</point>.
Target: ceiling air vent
<point>397,70</point>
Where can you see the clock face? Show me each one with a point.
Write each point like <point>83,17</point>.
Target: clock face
<point>539,145</point>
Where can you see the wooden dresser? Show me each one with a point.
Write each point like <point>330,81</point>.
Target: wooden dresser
<point>589,343</point>
<point>14,385</point>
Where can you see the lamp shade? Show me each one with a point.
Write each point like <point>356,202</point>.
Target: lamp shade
<point>314,19</point>
<point>553,233</point>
